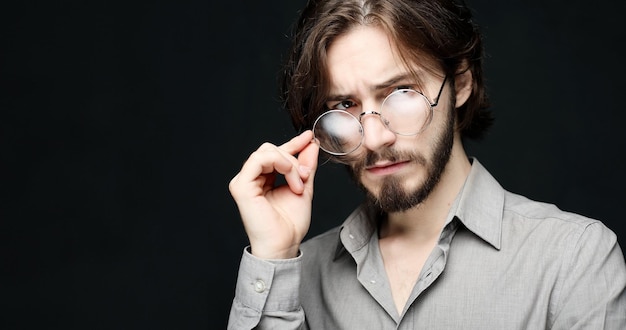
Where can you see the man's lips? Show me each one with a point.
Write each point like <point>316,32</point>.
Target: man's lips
<point>385,168</point>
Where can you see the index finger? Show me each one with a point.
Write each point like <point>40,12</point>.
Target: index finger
<point>297,143</point>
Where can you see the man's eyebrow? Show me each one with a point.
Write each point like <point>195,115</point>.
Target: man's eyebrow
<point>394,80</point>
<point>338,97</point>
<point>402,77</point>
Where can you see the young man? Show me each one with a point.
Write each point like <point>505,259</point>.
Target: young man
<point>390,88</point>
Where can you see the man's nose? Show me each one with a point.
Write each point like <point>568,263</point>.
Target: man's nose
<point>375,133</point>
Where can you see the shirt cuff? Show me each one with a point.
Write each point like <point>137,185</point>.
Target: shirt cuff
<point>268,284</point>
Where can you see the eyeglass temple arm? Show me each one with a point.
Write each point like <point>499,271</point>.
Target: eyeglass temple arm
<point>434,104</point>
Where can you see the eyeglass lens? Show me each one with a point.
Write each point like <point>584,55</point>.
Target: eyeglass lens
<point>404,112</point>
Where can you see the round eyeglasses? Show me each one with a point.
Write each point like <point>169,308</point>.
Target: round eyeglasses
<point>405,112</point>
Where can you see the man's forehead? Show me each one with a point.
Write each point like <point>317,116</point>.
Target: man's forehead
<point>366,57</point>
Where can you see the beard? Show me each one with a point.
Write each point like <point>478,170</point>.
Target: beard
<point>393,197</point>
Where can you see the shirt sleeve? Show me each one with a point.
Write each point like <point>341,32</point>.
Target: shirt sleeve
<point>267,294</point>
<point>593,294</point>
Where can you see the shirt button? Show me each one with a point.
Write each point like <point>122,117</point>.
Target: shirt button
<point>259,286</point>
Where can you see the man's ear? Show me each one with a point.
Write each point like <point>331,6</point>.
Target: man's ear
<point>463,82</point>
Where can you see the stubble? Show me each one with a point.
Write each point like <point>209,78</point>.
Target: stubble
<point>392,195</point>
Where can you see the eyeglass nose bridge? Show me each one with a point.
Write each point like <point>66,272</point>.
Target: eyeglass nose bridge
<point>365,113</point>
<point>383,120</point>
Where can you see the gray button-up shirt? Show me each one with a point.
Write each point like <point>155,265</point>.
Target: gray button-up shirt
<point>502,262</point>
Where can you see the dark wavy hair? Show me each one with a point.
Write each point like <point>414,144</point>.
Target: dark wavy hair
<point>441,31</point>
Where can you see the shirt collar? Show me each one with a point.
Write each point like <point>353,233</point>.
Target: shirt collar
<point>357,230</point>
<point>478,206</point>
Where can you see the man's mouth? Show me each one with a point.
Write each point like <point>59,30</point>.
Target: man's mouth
<point>386,167</point>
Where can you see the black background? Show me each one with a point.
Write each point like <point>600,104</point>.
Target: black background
<point>122,122</point>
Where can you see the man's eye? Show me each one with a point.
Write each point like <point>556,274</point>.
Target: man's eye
<point>344,105</point>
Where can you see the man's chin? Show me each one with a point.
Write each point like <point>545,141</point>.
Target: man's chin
<point>394,184</point>
<point>393,195</point>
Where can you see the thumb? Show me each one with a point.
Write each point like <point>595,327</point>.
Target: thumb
<point>307,160</point>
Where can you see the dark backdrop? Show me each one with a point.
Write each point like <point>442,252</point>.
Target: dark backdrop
<point>122,122</point>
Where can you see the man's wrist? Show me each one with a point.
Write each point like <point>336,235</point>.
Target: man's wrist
<point>270,254</point>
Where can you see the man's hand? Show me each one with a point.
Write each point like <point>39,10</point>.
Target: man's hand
<point>276,218</point>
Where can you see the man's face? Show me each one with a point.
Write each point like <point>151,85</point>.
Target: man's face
<point>397,172</point>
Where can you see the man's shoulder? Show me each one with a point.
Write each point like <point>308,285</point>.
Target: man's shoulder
<point>523,208</point>
<point>517,206</point>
